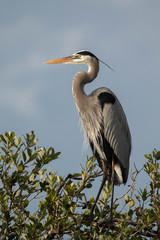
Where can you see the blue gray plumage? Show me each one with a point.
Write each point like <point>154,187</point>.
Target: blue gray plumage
<point>104,122</point>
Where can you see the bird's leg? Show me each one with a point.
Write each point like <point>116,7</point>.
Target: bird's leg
<point>105,175</point>
<point>112,182</point>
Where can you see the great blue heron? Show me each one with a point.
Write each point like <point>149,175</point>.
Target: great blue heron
<point>103,120</point>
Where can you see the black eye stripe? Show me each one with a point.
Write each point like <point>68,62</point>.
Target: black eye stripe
<point>86,53</point>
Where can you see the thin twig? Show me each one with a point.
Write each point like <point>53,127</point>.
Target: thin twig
<point>132,184</point>
<point>70,176</point>
<point>63,183</point>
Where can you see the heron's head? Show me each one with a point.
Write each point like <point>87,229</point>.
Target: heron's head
<point>81,57</point>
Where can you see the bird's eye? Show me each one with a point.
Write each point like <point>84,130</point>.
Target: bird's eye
<point>78,56</point>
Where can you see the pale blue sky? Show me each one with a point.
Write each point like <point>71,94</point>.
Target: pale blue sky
<point>34,96</point>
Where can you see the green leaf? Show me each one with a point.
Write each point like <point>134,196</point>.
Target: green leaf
<point>88,164</point>
<point>24,156</point>
<point>32,177</point>
<point>126,198</point>
<point>86,212</point>
<point>84,175</point>
<point>150,218</point>
<point>3,138</point>
<point>25,203</point>
<point>89,185</point>
<point>157,155</point>
<point>131,203</point>
<point>20,168</point>
<point>17,140</point>
<point>148,156</point>
<point>29,151</point>
<point>144,194</point>
<point>4,150</point>
<point>32,157</point>
<point>11,166</point>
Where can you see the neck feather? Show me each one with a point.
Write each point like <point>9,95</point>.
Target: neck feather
<point>80,80</point>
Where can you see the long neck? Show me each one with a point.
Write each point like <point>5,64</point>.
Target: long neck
<point>80,80</point>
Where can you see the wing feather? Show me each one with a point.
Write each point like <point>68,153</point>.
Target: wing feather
<point>117,132</point>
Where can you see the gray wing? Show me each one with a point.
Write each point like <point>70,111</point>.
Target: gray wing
<point>116,130</point>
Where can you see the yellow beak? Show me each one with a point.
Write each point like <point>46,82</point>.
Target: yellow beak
<point>69,59</point>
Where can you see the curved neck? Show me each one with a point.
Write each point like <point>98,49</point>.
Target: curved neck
<point>80,80</point>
